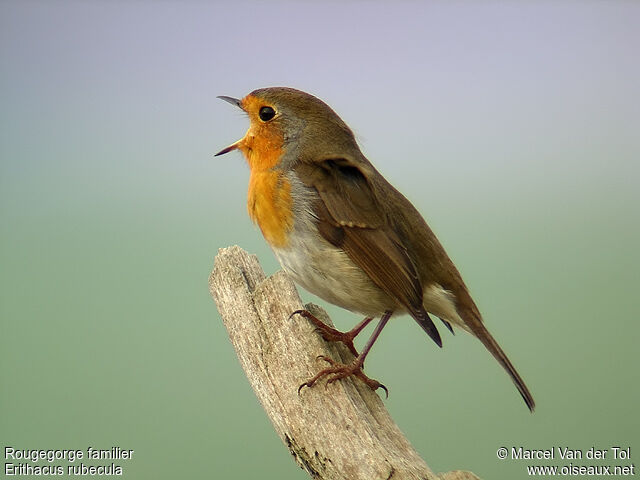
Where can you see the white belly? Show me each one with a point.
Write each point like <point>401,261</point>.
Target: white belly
<point>329,273</point>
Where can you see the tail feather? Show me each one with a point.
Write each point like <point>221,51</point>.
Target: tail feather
<point>448,325</point>
<point>489,342</point>
<point>423,319</point>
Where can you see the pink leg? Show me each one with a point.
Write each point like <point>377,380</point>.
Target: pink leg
<point>338,371</point>
<point>331,334</point>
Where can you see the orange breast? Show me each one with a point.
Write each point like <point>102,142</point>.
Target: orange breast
<point>269,205</point>
<point>269,201</point>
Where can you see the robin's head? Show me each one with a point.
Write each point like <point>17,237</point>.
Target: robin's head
<point>288,125</point>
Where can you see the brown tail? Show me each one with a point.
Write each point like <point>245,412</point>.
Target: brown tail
<point>488,341</point>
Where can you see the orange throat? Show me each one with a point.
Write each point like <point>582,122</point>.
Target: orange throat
<point>269,204</point>
<point>269,199</point>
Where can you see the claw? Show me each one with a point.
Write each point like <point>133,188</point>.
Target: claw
<point>330,361</point>
<point>297,312</point>
<point>337,371</point>
<point>386,391</point>
<point>305,384</point>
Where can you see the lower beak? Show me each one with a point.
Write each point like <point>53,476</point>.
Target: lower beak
<point>234,146</point>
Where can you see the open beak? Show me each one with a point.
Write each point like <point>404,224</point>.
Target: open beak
<point>237,103</point>
<point>228,149</point>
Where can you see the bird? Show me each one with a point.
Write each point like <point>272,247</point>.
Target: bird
<point>344,233</point>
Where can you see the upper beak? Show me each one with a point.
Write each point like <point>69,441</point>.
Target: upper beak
<point>231,100</point>
<point>237,103</point>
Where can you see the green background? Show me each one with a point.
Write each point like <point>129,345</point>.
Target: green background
<point>513,127</point>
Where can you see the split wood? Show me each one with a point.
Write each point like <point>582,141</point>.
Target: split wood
<point>340,432</point>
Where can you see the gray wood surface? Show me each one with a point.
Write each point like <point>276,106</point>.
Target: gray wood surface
<point>342,431</point>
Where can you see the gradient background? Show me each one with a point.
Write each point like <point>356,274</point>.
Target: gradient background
<point>514,128</point>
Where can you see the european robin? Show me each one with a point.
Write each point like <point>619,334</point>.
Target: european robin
<point>343,232</point>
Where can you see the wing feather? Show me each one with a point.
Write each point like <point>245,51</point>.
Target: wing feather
<point>361,228</point>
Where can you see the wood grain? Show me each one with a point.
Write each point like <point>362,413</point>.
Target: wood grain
<point>342,431</point>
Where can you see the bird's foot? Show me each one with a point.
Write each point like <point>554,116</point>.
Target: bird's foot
<point>338,371</point>
<point>330,334</point>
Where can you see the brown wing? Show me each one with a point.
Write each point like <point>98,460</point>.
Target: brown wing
<point>350,217</point>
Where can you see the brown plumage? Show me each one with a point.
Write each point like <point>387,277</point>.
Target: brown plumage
<point>348,235</point>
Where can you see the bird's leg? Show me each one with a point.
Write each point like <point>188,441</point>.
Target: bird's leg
<point>330,334</point>
<point>338,371</point>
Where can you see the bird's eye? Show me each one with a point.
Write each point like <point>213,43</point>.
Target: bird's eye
<point>266,114</point>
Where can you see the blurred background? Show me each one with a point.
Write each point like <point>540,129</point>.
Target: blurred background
<point>513,127</point>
